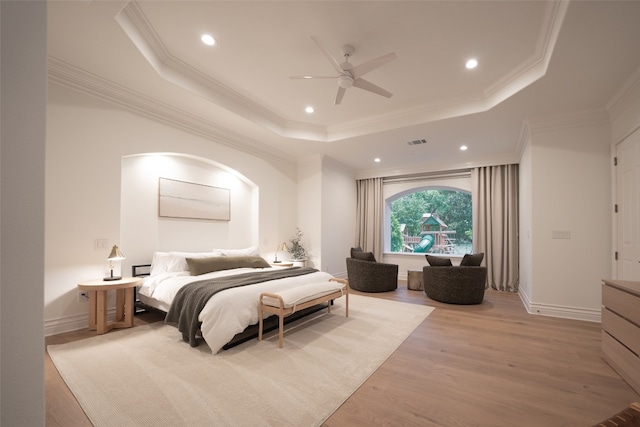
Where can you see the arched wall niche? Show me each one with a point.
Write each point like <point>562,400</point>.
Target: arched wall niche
<point>143,232</point>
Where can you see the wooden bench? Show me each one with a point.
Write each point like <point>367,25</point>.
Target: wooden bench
<point>628,417</point>
<point>291,300</point>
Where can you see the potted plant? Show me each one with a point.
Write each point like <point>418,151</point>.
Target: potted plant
<point>295,247</point>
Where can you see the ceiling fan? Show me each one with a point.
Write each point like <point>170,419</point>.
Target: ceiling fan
<point>348,75</point>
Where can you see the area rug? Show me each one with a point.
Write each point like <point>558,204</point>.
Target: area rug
<point>147,376</point>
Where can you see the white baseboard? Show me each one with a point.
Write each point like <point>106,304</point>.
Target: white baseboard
<point>71,323</point>
<point>565,312</point>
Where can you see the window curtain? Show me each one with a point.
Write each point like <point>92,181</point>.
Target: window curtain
<point>495,223</point>
<point>369,216</point>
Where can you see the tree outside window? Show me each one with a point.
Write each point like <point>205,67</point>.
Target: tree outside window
<point>432,221</point>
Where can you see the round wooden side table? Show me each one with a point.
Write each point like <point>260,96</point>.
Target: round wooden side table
<point>98,290</point>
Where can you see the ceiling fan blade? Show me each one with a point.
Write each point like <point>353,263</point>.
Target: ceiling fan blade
<point>362,69</point>
<point>332,59</point>
<point>339,96</point>
<point>366,85</point>
<point>312,77</point>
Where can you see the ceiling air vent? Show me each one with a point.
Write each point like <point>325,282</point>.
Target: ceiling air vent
<point>417,142</point>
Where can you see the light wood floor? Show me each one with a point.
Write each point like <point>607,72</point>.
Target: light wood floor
<point>484,365</point>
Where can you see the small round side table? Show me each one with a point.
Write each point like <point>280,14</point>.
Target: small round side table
<point>98,303</point>
<point>414,280</point>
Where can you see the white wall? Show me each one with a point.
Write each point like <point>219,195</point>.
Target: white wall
<point>142,231</point>
<point>338,216</point>
<point>570,192</point>
<point>326,212</point>
<point>23,80</point>
<point>308,209</point>
<point>87,141</point>
<point>525,223</point>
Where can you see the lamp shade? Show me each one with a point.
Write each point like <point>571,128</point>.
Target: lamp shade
<point>280,247</point>
<point>115,254</point>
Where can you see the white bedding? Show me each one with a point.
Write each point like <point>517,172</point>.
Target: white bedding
<point>228,312</point>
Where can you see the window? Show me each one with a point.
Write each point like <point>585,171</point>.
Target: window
<point>431,220</point>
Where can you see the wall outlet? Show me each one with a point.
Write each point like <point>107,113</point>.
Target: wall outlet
<point>83,296</point>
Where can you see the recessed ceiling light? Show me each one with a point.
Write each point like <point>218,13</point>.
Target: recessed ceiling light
<point>471,64</point>
<point>208,39</point>
<point>463,148</point>
<point>377,160</point>
<point>309,109</point>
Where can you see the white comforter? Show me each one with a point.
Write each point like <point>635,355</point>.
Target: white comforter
<point>228,312</point>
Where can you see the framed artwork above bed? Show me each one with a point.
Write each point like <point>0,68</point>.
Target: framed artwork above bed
<point>179,199</point>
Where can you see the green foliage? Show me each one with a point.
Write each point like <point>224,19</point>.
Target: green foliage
<point>452,207</point>
<point>295,247</point>
<point>396,235</point>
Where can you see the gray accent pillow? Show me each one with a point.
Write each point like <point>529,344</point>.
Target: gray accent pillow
<point>436,261</point>
<point>354,250</point>
<point>198,266</point>
<point>474,260</point>
<point>364,256</point>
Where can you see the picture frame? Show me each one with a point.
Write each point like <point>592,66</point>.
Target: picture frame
<point>180,199</point>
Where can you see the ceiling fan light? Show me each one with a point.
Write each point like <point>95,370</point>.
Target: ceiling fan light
<point>345,82</point>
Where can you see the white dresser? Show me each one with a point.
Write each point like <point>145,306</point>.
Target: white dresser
<point>621,329</point>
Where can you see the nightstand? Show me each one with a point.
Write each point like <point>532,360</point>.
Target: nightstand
<point>98,290</point>
<point>281,264</point>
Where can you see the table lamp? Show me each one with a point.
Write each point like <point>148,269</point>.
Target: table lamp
<point>284,248</point>
<point>115,255</point>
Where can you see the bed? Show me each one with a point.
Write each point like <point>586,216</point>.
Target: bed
<point>228,313</point>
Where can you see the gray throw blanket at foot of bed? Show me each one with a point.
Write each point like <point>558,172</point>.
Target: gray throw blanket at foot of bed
<point>191,298</point>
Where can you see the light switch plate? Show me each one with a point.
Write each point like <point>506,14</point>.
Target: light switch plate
<point>561,234</point>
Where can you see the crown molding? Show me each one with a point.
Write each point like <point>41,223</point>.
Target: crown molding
<point>534,68</point>
<point>524,136</point>
<point>624,107</point>
<point>598,116</point>
<point>88,83</point>
<point>502,159</point>
<point>537,64</point>
<point>141,33</point>
<point>625,96</point>
<point>314,160</point>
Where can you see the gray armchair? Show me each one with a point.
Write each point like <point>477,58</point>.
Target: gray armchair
<point>463,284</point>
<point>367,275</point>
<point>455,284</point>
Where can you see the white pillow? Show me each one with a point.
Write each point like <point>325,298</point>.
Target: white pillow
<point>251,251</point>
<point>175,262</point>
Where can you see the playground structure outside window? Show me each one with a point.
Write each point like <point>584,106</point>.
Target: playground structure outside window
<point>431,220</point>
